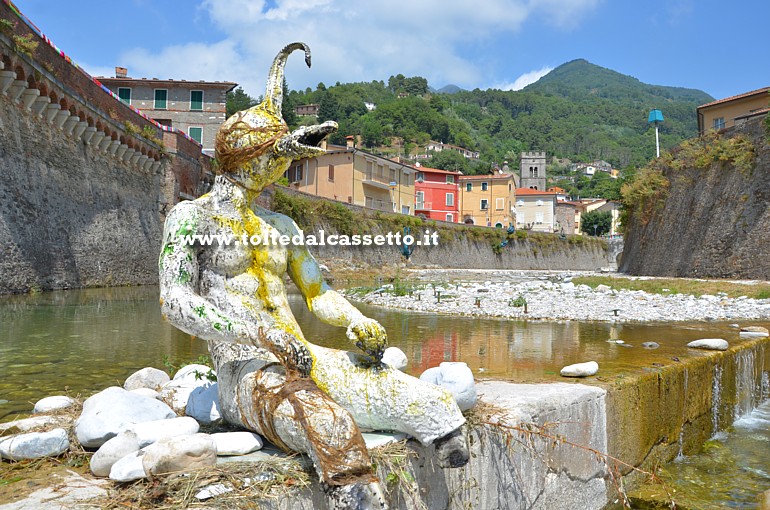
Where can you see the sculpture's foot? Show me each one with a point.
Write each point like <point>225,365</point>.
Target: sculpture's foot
<point>356,496</point>
<point>452,449</point>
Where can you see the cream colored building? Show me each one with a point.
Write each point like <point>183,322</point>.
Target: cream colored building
<point>535,210</point>
<point>357,177</point>
<point>487,199</point>
<point>730,111</point>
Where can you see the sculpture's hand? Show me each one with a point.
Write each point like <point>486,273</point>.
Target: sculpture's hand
<point>290,352</point>
<point>369,336</point>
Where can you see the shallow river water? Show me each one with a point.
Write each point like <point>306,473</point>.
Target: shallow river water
<point>82,341</point>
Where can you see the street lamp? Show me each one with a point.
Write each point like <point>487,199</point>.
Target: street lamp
<point>656,117</point>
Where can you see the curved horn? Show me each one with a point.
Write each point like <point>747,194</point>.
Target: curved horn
<point>274,91</point>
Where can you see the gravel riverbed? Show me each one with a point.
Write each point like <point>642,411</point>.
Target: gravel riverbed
<point>553,296</point>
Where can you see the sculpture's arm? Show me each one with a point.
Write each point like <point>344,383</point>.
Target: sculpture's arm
<point>327,304</point>
<point>179,299</point>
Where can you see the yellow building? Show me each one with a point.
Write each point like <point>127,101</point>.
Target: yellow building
<point>730,111</point>
<point>487,199</point>
<point>354,176</point>
<point>536,210</point>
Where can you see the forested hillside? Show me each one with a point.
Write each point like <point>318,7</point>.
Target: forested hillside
<point>578,111</point>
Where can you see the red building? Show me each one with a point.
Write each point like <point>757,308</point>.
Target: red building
<point>437,194</point>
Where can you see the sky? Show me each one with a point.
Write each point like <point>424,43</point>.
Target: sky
<point>716,46</point>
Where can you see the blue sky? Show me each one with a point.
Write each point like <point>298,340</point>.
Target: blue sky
<point>717,46</point>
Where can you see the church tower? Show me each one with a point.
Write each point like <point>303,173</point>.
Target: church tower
<point>532,170</point>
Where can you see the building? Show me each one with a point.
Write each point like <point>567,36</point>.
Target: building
<point>306,109</point>
<point>561,193</point>
<point>728,112</point>
<point>568,215</point>
<point>614,208</point>
<point>535,210</point>
<point>197,108</point>
<point>437,194</point>
<point>439,146</point>
<point>357,177</point>
<point>487,199</point>
<point>532,170</point>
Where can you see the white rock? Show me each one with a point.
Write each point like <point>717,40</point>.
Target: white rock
<point>177,391</point>
<point>210,491</point>
<point>147,377</point>
<point>146,392</point>
<point>712,344</point>
<point>35,445</point>
<point>194,371</point>
<point>203,404</point>
<point>457,378</point>
<point>754,332</point>
<point>128,469</point>
<point>29,424</point>
<point>568,286</point>
<point>54,403</point>
<point>180,453</point>
<point>236,443</point>
<point>112,411</point>
<point>395,357</point>
<point>112,451</point>
<point>149,432</point>
<point>580,369</point>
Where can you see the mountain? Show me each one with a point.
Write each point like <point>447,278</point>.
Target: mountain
<point>580,79</point>
<point>579,111</point>
<point>449,89</point>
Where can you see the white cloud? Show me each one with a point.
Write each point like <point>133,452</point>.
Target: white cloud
<point>525,79</point>
<point>351,41</point>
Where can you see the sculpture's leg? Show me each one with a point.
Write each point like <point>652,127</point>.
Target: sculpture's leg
<point>295,415</point>
<point>383,398</point>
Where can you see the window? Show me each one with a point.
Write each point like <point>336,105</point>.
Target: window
<point>124,93</point>
<point>380,171</point>
<point>196,133</point>
<point>331,173</point>
<point>404,209</point>
<point>196,100</point>
<point>499,204</point>
<point>519,203</point>
<point>419,199</point>
<point>298,173</point>
<point>161,98</point>
<point>539,218</point>
<point>539,203</point>
<point>468,186</point>
<point>450,179</point>
<point>484,186</point>
<point>419,177</point>
<point>719,123</point>
<point>369,170</point>
<point>392,175</point>
<point>450,199</point>
<point>484,204</point>
<point>519,217</point>
<point>450,218</point>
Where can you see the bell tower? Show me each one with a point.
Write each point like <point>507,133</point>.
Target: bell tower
<point>532,170</point>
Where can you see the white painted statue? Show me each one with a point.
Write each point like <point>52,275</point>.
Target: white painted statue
<point>272,379</point>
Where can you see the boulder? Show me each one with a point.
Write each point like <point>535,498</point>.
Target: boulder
<point>177,391</point>
<point>36,422</point>
<point>456,377</point>
<point>395,357</point>
<point>146,392</point>
<point>203,404</point>
<point>650,345</point>
<point>753,332</point>
<point>35,445</point>
<point>129,468</point>
<point>149,432</point>
<point>711,344</point>
<point>54,403</point>
<point>236,443</point>
<point>194,371</point>
<point>147,377</point>
<point>112,451</point>
<point>580,369</point>
<point>181,453</point>
<point>112,411</point>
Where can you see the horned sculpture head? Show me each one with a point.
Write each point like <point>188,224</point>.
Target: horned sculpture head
<point>254,146</point>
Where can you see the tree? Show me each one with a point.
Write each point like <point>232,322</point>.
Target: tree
<point>602,220</point>
<point>238,100</point>
<point>449,160</point>
<point>287,106</point>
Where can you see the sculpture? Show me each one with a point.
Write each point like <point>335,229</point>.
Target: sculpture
<point>272,380</point>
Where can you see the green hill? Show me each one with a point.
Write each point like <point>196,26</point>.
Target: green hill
<point>579,111</point>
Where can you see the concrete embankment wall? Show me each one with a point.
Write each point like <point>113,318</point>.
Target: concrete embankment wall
<point>459,246</point>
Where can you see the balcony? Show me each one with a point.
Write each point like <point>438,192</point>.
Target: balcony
<point>377,181</point>
<point>423,206</point>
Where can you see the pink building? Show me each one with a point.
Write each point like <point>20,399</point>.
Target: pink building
<point>437,194</point>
